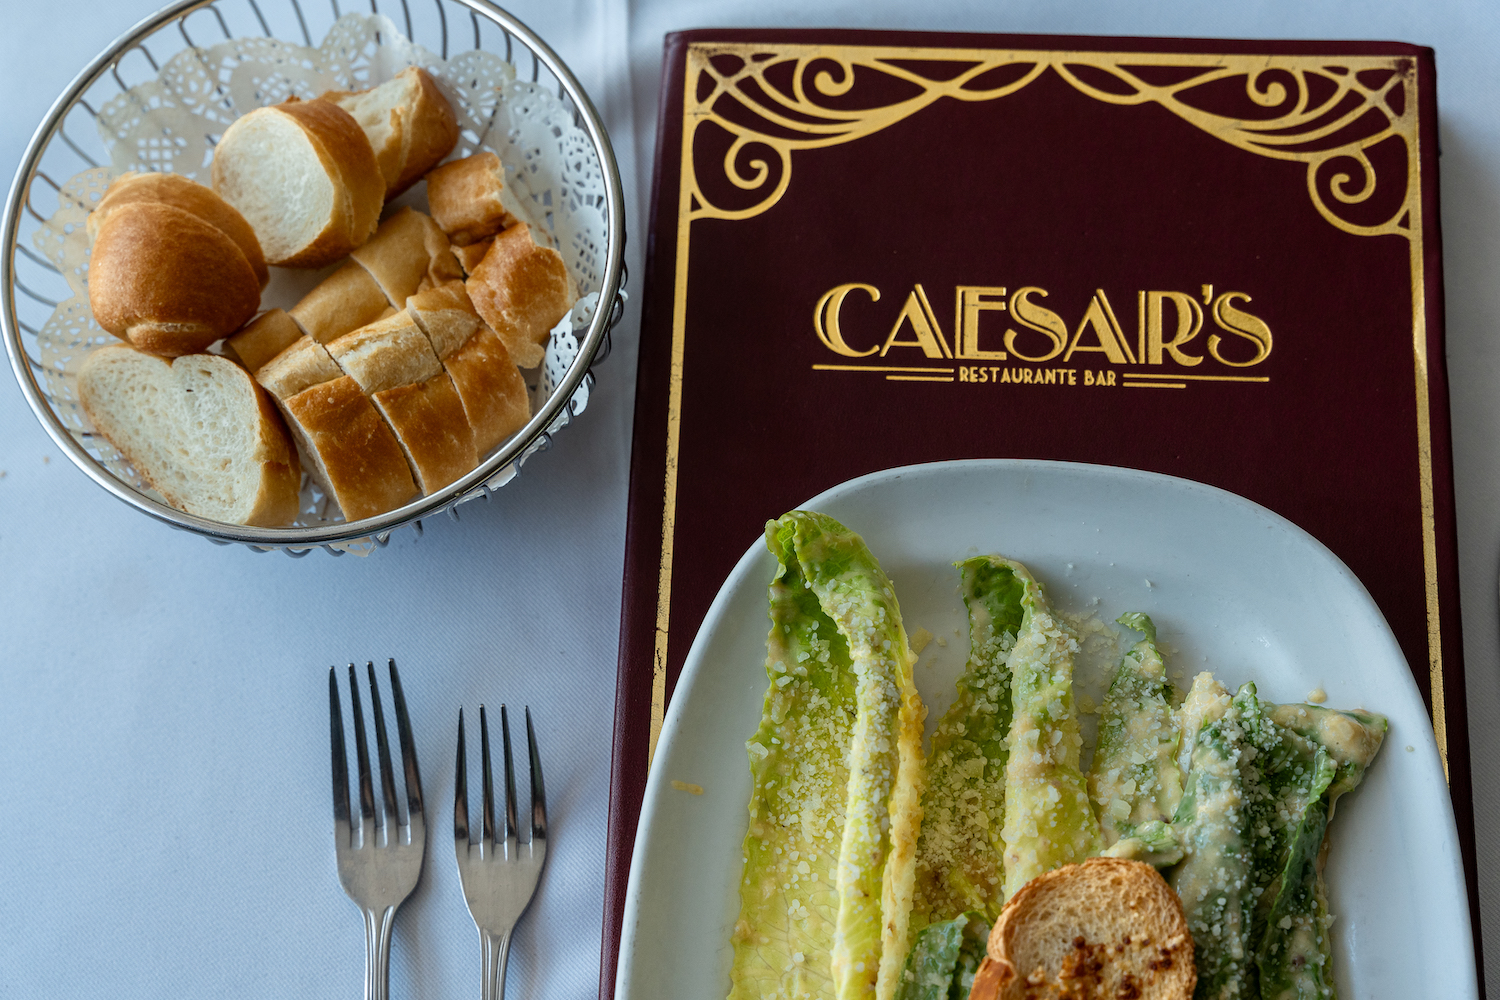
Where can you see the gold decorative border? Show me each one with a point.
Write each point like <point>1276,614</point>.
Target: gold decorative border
<point>801,112</point>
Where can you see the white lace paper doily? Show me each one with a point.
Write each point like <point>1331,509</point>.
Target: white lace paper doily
<point>553,175</point>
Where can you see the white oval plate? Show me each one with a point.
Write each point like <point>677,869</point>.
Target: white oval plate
<point>1233,588</point>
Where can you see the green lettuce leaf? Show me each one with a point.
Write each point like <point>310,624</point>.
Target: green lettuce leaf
<point>944,956</point>
<point>960,855</point>
<point>1134,779</point>
<point>1048,820</point>
<point>829,854</point>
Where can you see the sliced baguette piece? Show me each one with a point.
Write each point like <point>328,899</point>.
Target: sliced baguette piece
<point>262,339</point>
<point>410,125</point>
<point>190,196</point>
<point>405,251</point>
<point>429,421</point>
<point>470,256</point>
<point>304,176</point>
<point>522,291</point>
<point>487,380</point>
<point>197,430</point>
<point>491,388</point>
<point>446,315</point>
<point>168,282</point>
<point>385,354</point>
<point>394,363</point>
<point>1105,928</point>
<point>345,300</point>
<point>303,365</point>
<point>355,457</point>
<point>468,198</point>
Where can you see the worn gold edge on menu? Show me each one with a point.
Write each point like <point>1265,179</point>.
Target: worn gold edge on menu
<point>801,124</point>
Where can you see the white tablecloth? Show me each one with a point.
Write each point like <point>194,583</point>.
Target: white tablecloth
<point>163,740</point>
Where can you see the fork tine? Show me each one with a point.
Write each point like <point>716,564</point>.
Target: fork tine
<point>538,790</point>
<point>461,791</point>
<point>383,749</point>
<point>408,748</point>
<point>361,747</point>
<point>510,786</point>
<point>340,760</point>
<point>488,838</point>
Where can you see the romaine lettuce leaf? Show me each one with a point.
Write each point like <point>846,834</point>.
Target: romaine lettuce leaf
<point>837,769</point>
<point>943,958</point>
<point>960,854</point>
<point>1134,779</point>
<point>1048,820</point>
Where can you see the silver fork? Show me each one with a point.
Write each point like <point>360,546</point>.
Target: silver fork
<point>499,874</point>
<point>380,859</point>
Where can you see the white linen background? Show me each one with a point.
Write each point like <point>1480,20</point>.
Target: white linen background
<point>163,741</point>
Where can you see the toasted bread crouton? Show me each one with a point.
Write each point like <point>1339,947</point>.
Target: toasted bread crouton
<point>1107,928</point>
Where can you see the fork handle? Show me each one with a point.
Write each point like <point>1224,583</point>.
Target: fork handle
<point>378,952</point>
<point>496,952</point>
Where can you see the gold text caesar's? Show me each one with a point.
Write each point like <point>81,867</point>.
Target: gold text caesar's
<point>1175,332</point>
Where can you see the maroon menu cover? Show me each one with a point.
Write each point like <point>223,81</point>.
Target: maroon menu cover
<point>1213,259</point>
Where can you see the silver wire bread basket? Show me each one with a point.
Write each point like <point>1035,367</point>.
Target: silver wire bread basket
<point>160,97</point>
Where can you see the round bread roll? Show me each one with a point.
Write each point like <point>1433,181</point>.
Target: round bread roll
<point>304,176</point>
<point>190,196</point>
<point>168,282</point>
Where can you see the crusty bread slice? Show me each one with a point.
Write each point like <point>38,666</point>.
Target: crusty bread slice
<point>385,354</point>
<point>345,300</point>
<point>468,198</point>
<point>355,457</point>
<point>190,196</point>
<point>470,256</point>
<point>301,366</point>
<point>304,176</point>
<point>522,291</point>
<point>446,315</point>
<point>409,123</point>
<point>394,363</point>
<point>167,281</point>
<point>1107,928</point>
<point>491,388</point>
<point>429,421</point>
<point>489,383</point>
<point>405,251</point>
<point>198,430</point>
<point>262,339</point>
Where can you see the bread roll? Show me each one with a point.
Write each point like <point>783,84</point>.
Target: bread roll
<point>522,291</point>
<point>407,249</point>
<point>197,430</point>
<point>301,366</point>
<point>167,281</point>
<point>355,457</point>
<point>467,198</point>
<point>386,354</point>
<point>190,196</point>
<point>346,300</point>
<point>409,123</point>
<point>491,388</point>
<point>304,176</point>
<point>446,315</point>
<point>268,335</point>
<point>428,419</point>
